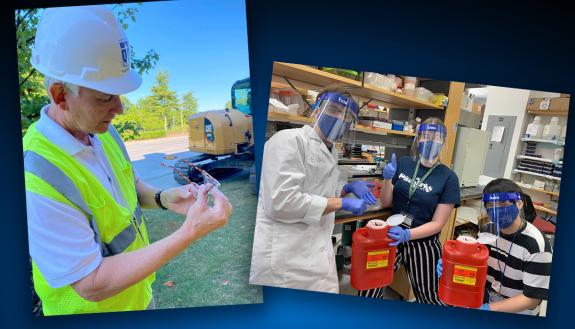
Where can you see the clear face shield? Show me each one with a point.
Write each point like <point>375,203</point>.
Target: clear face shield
<point>429,142</point>
<point>335,114</point>
<point>502,210</point>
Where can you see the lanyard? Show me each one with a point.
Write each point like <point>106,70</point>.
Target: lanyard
<point>502,273</point>
<point>413,185</point>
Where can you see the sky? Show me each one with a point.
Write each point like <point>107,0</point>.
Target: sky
<point>203,44</point>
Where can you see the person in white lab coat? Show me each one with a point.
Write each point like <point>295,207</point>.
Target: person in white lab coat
<point>299,194</point>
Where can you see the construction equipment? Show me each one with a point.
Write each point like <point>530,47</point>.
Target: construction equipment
<point>223,137</point>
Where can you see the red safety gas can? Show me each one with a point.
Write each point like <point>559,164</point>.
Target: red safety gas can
<point>462,282</point>
<point>372,257</point>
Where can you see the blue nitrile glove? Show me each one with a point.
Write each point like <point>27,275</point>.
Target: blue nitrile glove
<point>485,307</point>
<point>439,268</point>
<point>400,235</point>
<point>361,190</point>
<point>389,169</point>
<point>356,206</point>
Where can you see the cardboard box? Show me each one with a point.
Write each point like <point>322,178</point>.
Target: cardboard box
<point>478,108</point>
<point>552,104</point>
<point>366,123</point>
<point>382,124</point>
<point>401,284</point>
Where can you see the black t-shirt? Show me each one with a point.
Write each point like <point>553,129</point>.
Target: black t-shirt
<point>441,186</point>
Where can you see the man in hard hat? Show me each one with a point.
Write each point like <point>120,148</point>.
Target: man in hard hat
<point>88,241</point>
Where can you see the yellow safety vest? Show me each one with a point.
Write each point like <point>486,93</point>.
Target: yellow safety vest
<point>54,174</point>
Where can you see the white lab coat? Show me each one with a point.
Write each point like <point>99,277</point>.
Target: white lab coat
<point>292,241</point>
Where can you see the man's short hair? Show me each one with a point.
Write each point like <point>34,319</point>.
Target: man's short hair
<point>68,87</point>
<point>502,185</point>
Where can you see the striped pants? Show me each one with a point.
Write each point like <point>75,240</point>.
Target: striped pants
<point>420,260</point>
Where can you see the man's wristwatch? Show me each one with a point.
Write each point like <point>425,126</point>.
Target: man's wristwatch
<point>158,200</point>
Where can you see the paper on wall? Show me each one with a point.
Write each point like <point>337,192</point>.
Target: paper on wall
<point>497,135</point>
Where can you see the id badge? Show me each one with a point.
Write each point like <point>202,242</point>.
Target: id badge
<point>407,220</point>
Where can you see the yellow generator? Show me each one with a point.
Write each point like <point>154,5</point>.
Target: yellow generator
<point>223,139</point>
<point>220,132</point>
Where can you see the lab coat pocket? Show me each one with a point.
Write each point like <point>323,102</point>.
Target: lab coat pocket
<point>291,245</point>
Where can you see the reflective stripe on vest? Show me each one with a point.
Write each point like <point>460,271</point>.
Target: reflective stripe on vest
<point>39,166</point>
<point>56,175</point>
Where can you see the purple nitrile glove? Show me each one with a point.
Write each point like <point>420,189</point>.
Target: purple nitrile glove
<point>390,168</point>
<point>361,190</point>
<point>400,235</point>
<point>356,206</point>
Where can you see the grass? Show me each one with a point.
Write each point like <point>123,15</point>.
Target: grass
<point>215,269</point>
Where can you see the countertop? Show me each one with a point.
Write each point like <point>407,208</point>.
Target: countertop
<point>467,193</point>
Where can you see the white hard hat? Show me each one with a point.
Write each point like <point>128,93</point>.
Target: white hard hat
<point>85,46</point>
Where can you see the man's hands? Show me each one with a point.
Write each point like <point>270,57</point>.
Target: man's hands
<point>361,190</point>
<point>202,219</point>
<point>179,199</point>
<point>192,201</point>
<point>356,206</point>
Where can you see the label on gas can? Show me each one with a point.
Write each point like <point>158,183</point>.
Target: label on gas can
<point>465,275</point>
<point>377,259</point>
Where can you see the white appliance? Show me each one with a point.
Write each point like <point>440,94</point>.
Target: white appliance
<point>469,154</point>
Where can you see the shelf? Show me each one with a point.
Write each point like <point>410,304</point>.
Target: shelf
<point>525,139</point>
<point>549,113</point>
<point>391,97</point>
<point>539,190</point>
<point>382,131</point>
<point>346,217</point>
<point>539,159</point>
<point>349,162</point>
<point>515,171</point>
<point>549,211</point>
<point>459,221</point>
<point>296,119</point>
<point>310,75</point>
<point>366,175</point>
<point>320,78</point>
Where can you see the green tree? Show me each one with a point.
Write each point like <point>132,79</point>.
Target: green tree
<point>128,129</point>
<point>32,92</point>
<point>163,100</point>
<point>127,124</point>
<point>143,110</point>
<point>126,103</point>
<point>188,106</point>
